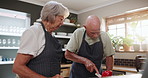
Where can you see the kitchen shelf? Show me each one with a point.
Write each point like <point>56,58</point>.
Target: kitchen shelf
<point>10,34</point>
<point>69,24</point>
<point>6,62</point>
<point>62,36</point>
<point>18,48</point>
<point>9,47</point>
<point>12,62</point>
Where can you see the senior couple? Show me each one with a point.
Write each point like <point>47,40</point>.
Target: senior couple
<point>40,53</point>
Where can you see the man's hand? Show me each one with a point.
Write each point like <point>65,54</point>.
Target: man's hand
<point>90,66</point>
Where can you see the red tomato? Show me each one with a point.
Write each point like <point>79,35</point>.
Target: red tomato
<point>106,73</point>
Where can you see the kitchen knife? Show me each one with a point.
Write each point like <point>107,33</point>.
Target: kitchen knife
<point>98,75</point>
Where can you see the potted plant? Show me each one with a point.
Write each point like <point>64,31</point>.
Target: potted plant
<point>141,40</point>
<point>73,18</point>
<point>136,45</point>
<point>117,42</point>
<point>127,42</point>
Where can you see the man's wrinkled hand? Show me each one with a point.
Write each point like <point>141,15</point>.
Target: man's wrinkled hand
<point>90,66</point>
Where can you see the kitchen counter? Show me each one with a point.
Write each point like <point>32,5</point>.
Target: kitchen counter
<point>122,68</point>
<point>65,70</point>
<point>126,76</point>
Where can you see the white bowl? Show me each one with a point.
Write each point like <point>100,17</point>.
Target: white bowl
<point>67,20</point>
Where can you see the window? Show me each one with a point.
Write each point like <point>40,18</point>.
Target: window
<point>134,24</point>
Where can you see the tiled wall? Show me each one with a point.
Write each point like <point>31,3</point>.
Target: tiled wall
<point>126,58</point>
<point>125,62</point>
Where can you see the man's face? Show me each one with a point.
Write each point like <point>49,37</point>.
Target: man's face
<point>92,27</point>
<point>93,32</point>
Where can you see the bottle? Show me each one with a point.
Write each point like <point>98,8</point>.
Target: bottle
<point>0,58</point>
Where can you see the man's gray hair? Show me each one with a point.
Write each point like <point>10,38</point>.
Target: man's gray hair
<point>53,9</point>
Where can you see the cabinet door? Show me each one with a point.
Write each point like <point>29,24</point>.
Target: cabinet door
<point>13,23</point>
<point>65,72</point>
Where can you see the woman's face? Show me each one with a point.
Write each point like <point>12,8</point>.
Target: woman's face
<point>57,23</point>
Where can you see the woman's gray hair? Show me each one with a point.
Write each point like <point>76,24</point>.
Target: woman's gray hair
<point>53,9</point>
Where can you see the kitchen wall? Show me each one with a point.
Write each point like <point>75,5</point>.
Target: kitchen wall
<point>114,9</point>
<point>128,55</point>
<point>127,58</point>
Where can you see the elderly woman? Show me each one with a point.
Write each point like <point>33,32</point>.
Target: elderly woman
<point>40,53</point>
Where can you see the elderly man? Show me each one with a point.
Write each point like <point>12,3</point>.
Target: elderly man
<point>87,48</point>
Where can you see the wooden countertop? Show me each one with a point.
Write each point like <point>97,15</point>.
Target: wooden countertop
<point>116,67</point>
<point>126,76</point>
<point>123,68</point>
<point>65,66</point>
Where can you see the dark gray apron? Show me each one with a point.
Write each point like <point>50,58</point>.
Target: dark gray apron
<point>94,53</point>
<point>48,62</point>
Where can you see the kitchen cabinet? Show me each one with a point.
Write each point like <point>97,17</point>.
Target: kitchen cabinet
<point>12,25</point>
<point>65,70</point>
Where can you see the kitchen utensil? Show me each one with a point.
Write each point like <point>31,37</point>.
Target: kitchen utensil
<point>98,75</point>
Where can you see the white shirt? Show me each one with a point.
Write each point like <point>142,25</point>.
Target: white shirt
<point>32,40</point>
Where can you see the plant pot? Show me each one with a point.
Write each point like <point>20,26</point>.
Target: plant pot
<point>117,48</point>
<point>72,21</point>
<point>144,47</point>
<point>136,47</point>
<point>126,48</point>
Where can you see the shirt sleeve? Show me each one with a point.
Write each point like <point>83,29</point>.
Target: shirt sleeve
<point>75,41</point>
<point>28,44</point>
<point>107,45</point>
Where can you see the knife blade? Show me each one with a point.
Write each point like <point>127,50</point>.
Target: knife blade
<point>98,75</point>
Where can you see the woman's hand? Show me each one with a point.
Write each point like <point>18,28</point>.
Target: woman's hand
<point>57,76</point>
